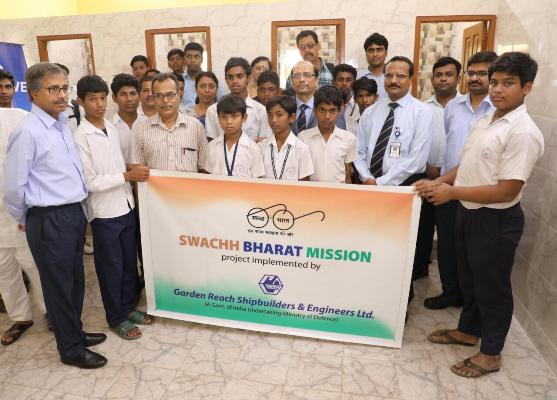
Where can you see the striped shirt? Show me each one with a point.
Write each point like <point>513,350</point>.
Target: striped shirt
<point>182,148</point>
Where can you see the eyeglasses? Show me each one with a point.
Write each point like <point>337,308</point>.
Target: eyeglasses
<point>57,89</point>
<point>162,96</point>
<point>300,75</point>
<point>308,46</point>
<point>481,74</point>
<point>396,75</point>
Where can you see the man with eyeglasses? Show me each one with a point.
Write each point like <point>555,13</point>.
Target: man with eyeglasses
<point>304,78</point>
<point>44,188</point>
<point>309,47</point>
<point>7,89</point>
<point>394,136</point>
<point>376,47</point>
<point>461,113</point>
<point>169,140</point>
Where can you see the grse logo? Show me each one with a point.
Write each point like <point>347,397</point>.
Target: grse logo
<point>271,284</point>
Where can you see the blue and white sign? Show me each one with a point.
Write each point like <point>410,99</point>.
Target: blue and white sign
<point>13,60</point>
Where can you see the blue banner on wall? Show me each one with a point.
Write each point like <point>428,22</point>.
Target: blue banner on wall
<point>13,60</point>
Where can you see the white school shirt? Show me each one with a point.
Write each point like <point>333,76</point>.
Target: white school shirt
<point>329,157</point>
<point>414,121</point>
<point>351,116</point>
<point>379,79</point>
<point>439,137</point>
<point>297,166</point>
<point>9,235</point>
<point>256,125</point>
<point>125,134</point>
<point>248,162</point>
<point>502,150</point>
<point>110,195</point>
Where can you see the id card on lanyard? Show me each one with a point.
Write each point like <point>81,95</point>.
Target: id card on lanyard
<point>394,147</point>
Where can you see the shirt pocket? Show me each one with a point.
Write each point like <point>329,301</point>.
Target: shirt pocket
<point>187,158</point>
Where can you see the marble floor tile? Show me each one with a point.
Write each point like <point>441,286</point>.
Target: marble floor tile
<point>140,382</point>
<point>369,377</point>
<point>262,365</point>
<point>54,395</point>
<point>19,392</point>
<point>270,341</point>
<point>314,371</point>
<point>290,393</point>
<point>316,346</point>
<point>241,389</point>
<point>195,387</point>
<point>212,359</point>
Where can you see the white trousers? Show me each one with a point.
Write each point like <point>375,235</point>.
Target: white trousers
<point>12,261</point>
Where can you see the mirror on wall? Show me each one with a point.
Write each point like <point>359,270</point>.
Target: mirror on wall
<point>160,41</point>
<point>457,36</point>
<point>285,53</point>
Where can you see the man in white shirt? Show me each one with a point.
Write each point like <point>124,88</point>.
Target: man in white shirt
<point>110,208</point>
<point>332,149</point>
<point>284,155</point>
<point>15,255</point>
<point>376,47</point>
<point>237,72</point>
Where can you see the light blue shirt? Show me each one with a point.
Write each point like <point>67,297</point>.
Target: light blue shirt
<point>412,128</point>
<point>43,167</point>
<point>190,94</point>
<point>379,79</point>
<point>459,118</point>
<point>308,111</point>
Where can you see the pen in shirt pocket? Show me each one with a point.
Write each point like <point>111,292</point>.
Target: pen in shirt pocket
<point>184,149</point>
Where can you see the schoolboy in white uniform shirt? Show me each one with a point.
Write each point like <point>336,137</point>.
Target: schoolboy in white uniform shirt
<point>332,149</point>
<point>293,160</point>
<point>234,153</point>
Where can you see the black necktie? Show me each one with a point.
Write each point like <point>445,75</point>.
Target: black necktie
<point>301,121</point>
<point>376,164</point>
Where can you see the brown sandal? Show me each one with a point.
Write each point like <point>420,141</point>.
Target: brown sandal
<point>444,337</point>
<point>14,333</point>
<point>471,370</point>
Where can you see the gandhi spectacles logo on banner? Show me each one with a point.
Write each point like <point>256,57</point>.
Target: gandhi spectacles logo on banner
<point>282,218</point>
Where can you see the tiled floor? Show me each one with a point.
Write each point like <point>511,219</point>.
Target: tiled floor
<point>179,360</point>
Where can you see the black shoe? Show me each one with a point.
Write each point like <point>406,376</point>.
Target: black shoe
<point>441,302</point>
<point>87,360</point>
<point>93,339</point>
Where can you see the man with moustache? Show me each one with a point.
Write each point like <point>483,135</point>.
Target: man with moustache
<point>304,78</point>
<point>7,89</point>
<point>394,136</point>
<point>376,47</point>
<point>461,113</point>
<point>309,47</point>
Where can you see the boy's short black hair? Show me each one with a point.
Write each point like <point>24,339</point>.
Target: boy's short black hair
<point>231,104</point>
<point>122,80</point>
<point>173,52</point>
<point>179,77</point>
<point>268,76</point>
<point>516,63</point>
<point>287,103</point>
<point>7,75</point>
<point>257,60</point>
<point>237,62</point>
<point>91,84</point>
<point>138,58</point>
<point>156,71</point>
<point>378,39</point>
<point>366,84</point>
<point>145,78</point>
<point>447,61</point>
<point>305,33</point>
<point>482,57</point>
<point>402,59</point>
<point>344,68</point>
<point>328,94</point>
<point>193,46</point>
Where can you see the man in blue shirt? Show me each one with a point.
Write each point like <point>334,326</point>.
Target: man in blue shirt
<point>394,139</point>
<point>461,113</point>
<point>44,188</point>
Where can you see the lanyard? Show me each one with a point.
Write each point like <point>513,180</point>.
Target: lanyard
<point>229,168</point>
<point>283,163</point>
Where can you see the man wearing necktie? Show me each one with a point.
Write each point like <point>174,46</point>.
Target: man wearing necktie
<point>304,81</point>
<point>394,136</point>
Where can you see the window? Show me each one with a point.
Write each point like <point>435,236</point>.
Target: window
<point>160,41</point>
<point>285,53</point>
<point>74,51</point>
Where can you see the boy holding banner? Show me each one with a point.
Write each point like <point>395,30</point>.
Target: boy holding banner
<point>497,159</point>
<point>284,155</point>
<point>110,208</point>
<point>233,154</point>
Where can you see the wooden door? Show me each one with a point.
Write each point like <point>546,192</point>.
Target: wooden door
<point>474,39</point>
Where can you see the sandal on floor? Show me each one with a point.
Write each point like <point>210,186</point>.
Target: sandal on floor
<point>138,317</point>
<point>444,337</point>
<point>475,369</point>
<point>14,333</point>
<point>124,328</point>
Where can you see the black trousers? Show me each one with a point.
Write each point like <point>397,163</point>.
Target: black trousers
<point>445,218</point>
<point>486,241</point>
<point>116,264</point>
<point>55,236</point>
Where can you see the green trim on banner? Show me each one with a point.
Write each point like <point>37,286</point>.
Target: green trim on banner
<point>166,300</point>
